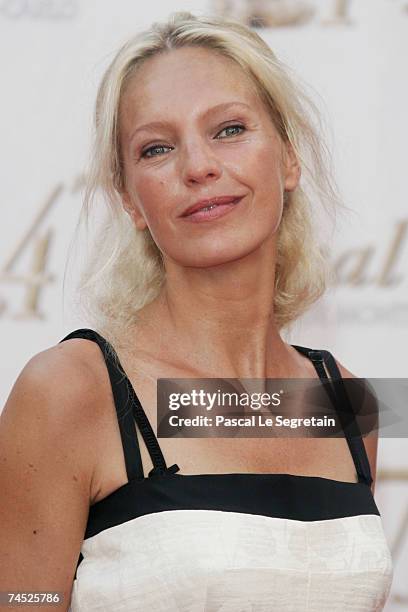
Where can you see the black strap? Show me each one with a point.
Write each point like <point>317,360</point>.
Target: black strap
<point>344,408</point>
<point>354,439</point>
<point>128,410</point>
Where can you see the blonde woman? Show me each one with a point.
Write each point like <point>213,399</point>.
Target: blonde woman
<point>211,167</point>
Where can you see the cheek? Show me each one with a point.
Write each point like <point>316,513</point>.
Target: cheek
<point>157,205</point>
<point>268,186</point>
<point>151,196</point>
<point>265,169</point>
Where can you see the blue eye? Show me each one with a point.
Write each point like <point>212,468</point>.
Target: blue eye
<point>154,147</point>
<point>159,146</point>
<point>230,127</point>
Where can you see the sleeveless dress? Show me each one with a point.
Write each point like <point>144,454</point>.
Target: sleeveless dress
<point>229,542</point>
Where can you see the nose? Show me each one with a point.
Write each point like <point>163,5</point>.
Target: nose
<point>199,163</point>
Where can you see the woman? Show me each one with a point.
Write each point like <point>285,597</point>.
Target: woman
<point>207,256</point>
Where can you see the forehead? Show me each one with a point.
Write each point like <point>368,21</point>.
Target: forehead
<point>183,82</point>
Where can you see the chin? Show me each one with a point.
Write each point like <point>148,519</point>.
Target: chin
<point>225,254</point>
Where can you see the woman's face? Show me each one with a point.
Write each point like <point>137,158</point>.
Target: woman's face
<point>192,128</point>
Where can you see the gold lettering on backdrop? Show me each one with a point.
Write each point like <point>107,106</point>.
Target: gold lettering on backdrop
<point>36,277</point>
<point>288,13</point>
<point>384,278</point>
<point>266,13</point>
<point>30,232</point>
<point>359,259</point>
<point>351,266</point>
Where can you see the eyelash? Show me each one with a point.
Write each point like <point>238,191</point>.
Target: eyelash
<point>158,146</point>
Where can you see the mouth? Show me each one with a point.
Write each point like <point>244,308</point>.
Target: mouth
<point>212,210</point>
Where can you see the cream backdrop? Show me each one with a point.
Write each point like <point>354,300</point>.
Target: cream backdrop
<point>353,55</point>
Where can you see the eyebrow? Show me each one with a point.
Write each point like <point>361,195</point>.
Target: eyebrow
<point>165,124</point>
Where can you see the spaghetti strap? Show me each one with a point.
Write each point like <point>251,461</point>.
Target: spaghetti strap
<point>341,401</point>
<point>133,461</point>
<point>128,410</point>
<point>355,439</point>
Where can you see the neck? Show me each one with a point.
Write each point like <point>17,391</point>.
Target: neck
<point>221,319</point>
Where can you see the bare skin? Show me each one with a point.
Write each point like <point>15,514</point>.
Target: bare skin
<point>59,438</point>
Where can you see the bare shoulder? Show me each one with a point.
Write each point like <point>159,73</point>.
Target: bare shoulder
<point>47,460</point>
<point>67,375</point>
<point>54,403</point>
<point>370,441</point>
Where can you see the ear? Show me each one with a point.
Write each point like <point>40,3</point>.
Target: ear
<point>133,212</point>
<point>292,170</point>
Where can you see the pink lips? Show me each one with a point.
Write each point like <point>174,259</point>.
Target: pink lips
<point>220,206</point>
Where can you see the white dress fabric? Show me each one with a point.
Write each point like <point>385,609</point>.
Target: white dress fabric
<point>214,561</point>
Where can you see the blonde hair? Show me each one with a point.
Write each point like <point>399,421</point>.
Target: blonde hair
<point>124,269</point>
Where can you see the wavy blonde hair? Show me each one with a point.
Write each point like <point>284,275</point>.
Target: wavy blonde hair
<point>124,269</point>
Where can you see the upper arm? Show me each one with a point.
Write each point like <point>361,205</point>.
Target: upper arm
<point>46,467</point>
<point>370,441</point>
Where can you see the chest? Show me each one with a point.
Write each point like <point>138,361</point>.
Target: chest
<point>325,457</point>
<point>328,457</point>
